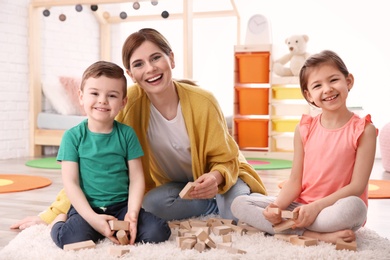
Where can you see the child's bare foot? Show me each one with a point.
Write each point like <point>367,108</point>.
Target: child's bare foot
<point>60,217</point>
<point>347,235</point>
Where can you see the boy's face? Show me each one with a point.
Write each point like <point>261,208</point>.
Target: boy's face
<point>102,98</point>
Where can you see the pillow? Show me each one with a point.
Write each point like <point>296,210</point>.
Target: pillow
<point>72,86</point>
<point>58,96</point>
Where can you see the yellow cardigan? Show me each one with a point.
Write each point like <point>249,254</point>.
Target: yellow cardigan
<point>212,147</point>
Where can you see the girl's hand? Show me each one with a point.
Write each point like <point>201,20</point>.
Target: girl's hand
<point>307,214</point>
<point>271,216</point>
<point>28,222</point>
<point>206,188</point>
<point>100,224</point>
<point>132,219</point>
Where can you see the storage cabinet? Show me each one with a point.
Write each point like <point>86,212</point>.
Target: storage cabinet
<point>266,108</point>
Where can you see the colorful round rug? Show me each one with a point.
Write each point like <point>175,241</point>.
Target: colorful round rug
<point>269,164</point>
<point>16,182</point>
<point>45,163</point>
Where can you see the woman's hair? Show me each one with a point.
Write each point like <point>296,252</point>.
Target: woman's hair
<point>136,39</point>
<point>107,69</point>
<point>316,60</point>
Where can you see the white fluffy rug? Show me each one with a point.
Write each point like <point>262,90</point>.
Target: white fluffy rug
<point>35,243</point>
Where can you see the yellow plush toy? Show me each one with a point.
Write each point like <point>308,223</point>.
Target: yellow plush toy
<point>297,46</point>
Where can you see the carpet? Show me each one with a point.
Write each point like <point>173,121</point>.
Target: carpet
<point>16,182</point>
<point>45,163</point>
<point>269,164</point>
<point>35,243</point>
<point>377,189</point>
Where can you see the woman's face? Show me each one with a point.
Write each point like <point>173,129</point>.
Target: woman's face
<point>151,68</point>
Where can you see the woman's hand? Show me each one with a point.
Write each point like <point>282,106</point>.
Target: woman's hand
<point>28,222</point>
<point>206,186</point>
<point>271,215</point>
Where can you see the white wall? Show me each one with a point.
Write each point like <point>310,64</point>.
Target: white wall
<point>357,30</point>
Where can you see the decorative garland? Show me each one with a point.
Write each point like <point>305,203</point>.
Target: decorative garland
<point>94,8</point>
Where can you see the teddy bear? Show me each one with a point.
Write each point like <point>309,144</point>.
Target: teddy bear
<point>297,46</point>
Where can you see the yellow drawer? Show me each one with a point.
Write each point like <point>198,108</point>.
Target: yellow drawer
<point>290,109</point>
<point>286,93</point>
<point>284,125</point>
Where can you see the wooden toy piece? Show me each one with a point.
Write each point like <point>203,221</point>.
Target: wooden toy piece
<point>284,225</point>
<point>118,251</point>
<point>205,229</point>
<point>289,214</point>
<point>122,237</point>
<point>79,245</point>
<point>284,237</point>
<point>230,249</point>
<point>227,238</point>
<point>200,246</point>
<point>185,192</point>
<point>182,232</point>
<point>179,240</point>
<point>198,223</point>
<point>185,225</point>
<point>248,228</point>
<point>188,243</point>
<point>210,243</point>
<point>221,230</point>
<point>227,221</point>
<point>274,210</point>
<point>118,225</point>
<point>303,241</point>
<point>237,229</point>
<point>174,224</point>
<point>341,244</point>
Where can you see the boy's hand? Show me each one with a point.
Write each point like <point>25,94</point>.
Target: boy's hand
<point>132,219</point>
<point>100,224</point>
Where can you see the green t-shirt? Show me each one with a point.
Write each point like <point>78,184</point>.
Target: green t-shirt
<point>103,161</point>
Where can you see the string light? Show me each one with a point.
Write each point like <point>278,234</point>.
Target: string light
<point>136,5</point>
<point>79,8</point>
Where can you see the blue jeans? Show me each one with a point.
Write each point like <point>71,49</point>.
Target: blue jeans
<point>164,202</point>
<point>150,229</point>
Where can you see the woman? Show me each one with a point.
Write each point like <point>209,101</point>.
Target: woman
<point>184,136</point>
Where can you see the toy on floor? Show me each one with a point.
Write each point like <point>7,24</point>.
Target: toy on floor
<point>297,45</point>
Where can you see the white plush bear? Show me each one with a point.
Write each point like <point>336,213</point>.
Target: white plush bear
<point>297,56</point>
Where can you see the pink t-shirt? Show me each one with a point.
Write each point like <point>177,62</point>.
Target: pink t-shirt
<point>329,156</point>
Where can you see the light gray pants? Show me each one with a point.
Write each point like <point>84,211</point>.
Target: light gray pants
<point>346,213</point>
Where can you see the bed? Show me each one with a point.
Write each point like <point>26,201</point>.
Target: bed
<point>46,127</point>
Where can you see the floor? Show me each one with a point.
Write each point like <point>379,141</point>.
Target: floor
<point>15,206</point>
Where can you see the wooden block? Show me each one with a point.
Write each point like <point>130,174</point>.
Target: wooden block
<point>284,237</point>
<point>198,223</point>
<point>185,192</point>
<point>230,249</point>
<point>174,224</point>
<point>205,229</point>
<point>238,229</point>
<point>248,227</point>
<point>341,244</point>
<point>118,251</point>
<point>201,235</point>
<point>227,238</point>
<point>289,214</point>
<point>179,240</point>
<point>284,225</point>
<point>303,241</point>
<point>274,210</point>
<point>227,221</point>
<point>118,225</point>
<point>185,225</point>
<point>188,243</point>
<point>221,230</point>
<point>122,237</point>
<point>182,232</point>
<point>79,245</point>
<point>200,246</point>
<point>210,243</point>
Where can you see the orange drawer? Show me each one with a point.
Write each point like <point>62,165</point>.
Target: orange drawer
<point>251,132</point>
<point>252,101</point>
<point>253,67</point>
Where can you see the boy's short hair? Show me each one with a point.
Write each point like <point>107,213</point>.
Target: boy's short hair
<point>107,69</point>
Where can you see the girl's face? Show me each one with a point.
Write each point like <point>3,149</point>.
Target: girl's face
<point>327,87</point>
<point>151,68</point>
<point>102,98</point>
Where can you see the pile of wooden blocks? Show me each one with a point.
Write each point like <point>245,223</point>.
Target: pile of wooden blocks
<point>195,234</point>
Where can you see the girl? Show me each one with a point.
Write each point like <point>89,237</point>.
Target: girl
<point>333,157</point>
